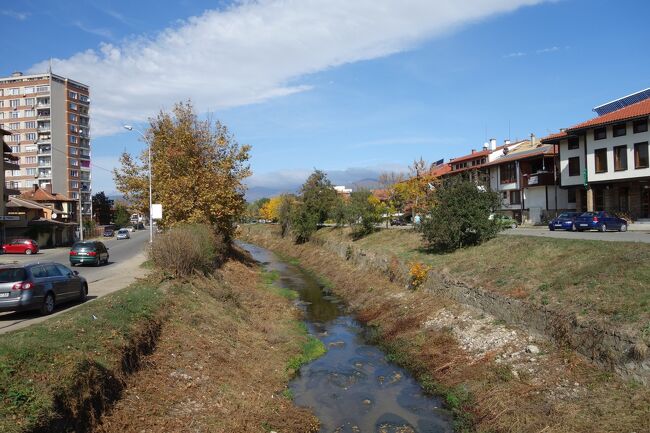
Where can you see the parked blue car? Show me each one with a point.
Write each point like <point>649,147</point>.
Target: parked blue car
<point>564,221</point>
<point>601,221</point>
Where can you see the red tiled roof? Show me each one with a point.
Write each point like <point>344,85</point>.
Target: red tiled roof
<point>42,195</point>
<point>516,156</point>
<point>639,109</point>
<point>440,170</point>
<point>470,156</point>
<point>554,137</point>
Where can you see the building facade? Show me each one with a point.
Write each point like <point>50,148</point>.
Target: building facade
<point>48,117</point>
<point>604,161</point>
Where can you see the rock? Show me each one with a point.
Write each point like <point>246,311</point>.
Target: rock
<point>532,349</point>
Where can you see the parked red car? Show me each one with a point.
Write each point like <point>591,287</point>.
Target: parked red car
<point>20,246</point>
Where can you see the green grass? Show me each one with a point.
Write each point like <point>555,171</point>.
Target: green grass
<point>43,359</point>
<point>312,349</point>
<point>595,279</point>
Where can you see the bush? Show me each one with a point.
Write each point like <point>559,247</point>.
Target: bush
<point>362,213</point>
<point>186,249</point>
<point>461,216</point>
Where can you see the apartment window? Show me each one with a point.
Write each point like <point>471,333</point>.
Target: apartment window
<point>73,95</point>
<point>620,158</point>
<point>641,155</point>
<point>15,91</point>
<point>73,128</point>
<point>30,125</point>
<point>508,172</point>
<point>15,138</point>
<point>73,106</point>
<point>31,136</point>
<point>2,114</point>
<point>15,149</point>
<point>600,156</point>
<point>73,139</point>
<point>574,166</point>
<point>83,98</point>
<point>73,117</point>
<point>75,195</point>
<point>74,173</point>
<point>571,195</point>
<point>619,130</point>
<point>28,90</point>
<point>14,126</point>
<point>515,197</point>
<point>41,89</point>
<point>30,113</point>
<point>600,133</point>
<point>30,148</point>
<point>14,102</point>
<point>30,101</point>
<point>30,159</point>
<point>14,115</point>
<point>74,162</point>
<point>574,143</point>
<point>640,126</point>
<point>30,171</point>
<point>74,185</point>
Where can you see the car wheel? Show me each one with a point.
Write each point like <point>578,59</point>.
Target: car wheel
<point>623,228</point>
<point>83,293</point>
<point>603,228</point>
<point>513,226</point>
<point>48,304</point>
<point>574,228</point>
<point>28,251</point>
<point>551,228</point>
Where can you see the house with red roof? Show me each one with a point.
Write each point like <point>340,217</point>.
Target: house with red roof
<point>604,162</point>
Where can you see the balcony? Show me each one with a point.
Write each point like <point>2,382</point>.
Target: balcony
<point>44,127</point>
<point>43,114</point>
<point>43,103</point>
<point>44,150</point>
<point>45,174</point>
<point>45,162</point>
<point>537,179</point>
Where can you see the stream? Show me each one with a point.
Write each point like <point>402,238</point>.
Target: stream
<point>352,388</point>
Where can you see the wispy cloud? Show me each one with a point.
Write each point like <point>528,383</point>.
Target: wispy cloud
<point>97,31</point>
<point>20,16</point>
<point>515,54</point>
<point>253,51</point>
<point>548,50</point>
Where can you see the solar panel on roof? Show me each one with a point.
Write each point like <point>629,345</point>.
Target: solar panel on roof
<point>623,102</point>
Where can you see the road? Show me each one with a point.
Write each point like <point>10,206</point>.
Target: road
<point>630,236</point>
<point>123,268</point>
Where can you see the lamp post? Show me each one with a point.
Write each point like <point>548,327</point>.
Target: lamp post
<point>131,128</point>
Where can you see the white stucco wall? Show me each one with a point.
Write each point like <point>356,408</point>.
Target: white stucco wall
<point>565,154</point>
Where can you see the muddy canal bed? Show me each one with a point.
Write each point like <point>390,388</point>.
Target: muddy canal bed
<point>352,388</point>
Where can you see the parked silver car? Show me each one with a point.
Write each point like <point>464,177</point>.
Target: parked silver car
<point>39,286</point>
<point>123,234</point>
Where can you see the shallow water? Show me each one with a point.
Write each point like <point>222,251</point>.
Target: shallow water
<point>352,388</point>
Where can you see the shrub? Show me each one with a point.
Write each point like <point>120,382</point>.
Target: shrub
<point>187,249</point>
<point>362,213</point>
<point>461,216</point>
<point>418,273</point>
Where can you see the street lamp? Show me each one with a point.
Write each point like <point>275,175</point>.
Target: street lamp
<point>131,128</point>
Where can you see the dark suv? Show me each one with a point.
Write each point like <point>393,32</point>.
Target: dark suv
<point>92,252</point>
<point>39,286</point>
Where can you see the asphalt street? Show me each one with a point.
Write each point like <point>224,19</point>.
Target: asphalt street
<point>629,236</point>
<point>125,258</point>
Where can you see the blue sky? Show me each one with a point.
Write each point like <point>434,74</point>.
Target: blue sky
<point>351,89</point>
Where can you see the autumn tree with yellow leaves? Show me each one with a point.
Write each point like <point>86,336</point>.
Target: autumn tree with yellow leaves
<point>198,170</point>
<point>270,210</point>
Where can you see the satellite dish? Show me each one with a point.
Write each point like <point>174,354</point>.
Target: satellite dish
<point>54,216</point>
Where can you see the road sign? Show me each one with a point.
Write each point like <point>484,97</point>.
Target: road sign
<point>156,211</point>
<point>585,177</point>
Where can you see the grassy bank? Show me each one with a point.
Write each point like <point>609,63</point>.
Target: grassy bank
<point>500,388</point>
<point>606,281</point>
<point>62,372</point>
<point>225,355</point>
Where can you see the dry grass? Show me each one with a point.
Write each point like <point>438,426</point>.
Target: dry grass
<point>558,392</point>
<point>221,363</point>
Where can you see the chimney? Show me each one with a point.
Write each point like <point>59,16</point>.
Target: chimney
<point>48,188</point>
<point>473,150</point>
<point>493,144</point>
<point>506,142</point>
<point>35,187</point>
<point>533,140</point>
<point>17,74</point>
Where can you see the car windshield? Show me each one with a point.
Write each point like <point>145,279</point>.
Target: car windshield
<point>123,231</point>
<point>11,275</point>
<point>589,214</point>
<point>565,215</point>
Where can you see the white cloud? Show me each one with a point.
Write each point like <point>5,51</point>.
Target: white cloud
<point>548,50</point>
<point>515,54</point>
<point>20,16</point>
<point>255,50</point>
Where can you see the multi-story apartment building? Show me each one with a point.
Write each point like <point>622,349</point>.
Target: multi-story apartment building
<point>48,117</point>
<point>9,162</point>
<point>604,162</point>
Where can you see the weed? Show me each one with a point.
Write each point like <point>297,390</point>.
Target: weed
<point>288,394</point>
<point>311,349</point>
<point>418,273</point>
